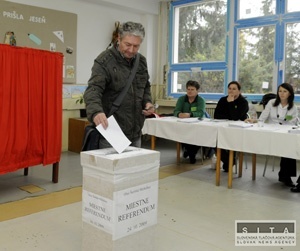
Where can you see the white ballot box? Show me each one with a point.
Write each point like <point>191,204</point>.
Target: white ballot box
<point>119,199</point>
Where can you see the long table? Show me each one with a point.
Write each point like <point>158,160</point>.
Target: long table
<point>202,133</point>
<point>267,140</point>
<point>274,140</point>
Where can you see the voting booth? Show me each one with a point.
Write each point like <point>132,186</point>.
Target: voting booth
<point>119,199</point>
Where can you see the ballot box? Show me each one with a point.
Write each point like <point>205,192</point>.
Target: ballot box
<point>119,199</point>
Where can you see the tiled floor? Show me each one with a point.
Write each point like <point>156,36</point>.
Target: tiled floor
<point>193,213</point>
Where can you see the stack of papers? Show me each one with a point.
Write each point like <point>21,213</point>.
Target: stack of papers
<point>219,120</point>
<point>240,124</point>
<point>189,120</point>
<point>295,131</point>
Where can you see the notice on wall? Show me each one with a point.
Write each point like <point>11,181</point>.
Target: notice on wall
<point>41,28</point>
<point>130,211</point>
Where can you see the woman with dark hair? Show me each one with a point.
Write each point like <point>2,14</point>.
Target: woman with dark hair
<point>281,99</point>
<point>190,105</point>
<point>233,107</point>
<point>281,110</point>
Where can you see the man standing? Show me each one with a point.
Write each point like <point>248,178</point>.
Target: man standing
<point>109,76</point>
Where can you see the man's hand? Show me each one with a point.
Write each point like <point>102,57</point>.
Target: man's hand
<point>251,121</point>
<point>100,118</point>
<point>149,109</point>
<point>184,115</point>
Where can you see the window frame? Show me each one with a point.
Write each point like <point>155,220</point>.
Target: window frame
<point>205,66</point>
<point>229,65</point>
<point>280,19</point>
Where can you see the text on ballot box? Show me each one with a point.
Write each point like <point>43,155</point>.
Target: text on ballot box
<point>119,198</point>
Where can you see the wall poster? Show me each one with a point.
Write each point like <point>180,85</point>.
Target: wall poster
<point>41,28</point>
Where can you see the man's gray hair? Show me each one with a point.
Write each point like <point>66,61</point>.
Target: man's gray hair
<point>131,28</point>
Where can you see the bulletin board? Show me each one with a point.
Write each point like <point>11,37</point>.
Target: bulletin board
<point>44,29</point>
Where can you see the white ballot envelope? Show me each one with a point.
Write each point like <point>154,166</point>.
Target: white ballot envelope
<point>114,135</point>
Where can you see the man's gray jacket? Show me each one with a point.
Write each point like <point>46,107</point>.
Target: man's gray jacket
<point>109,76</point>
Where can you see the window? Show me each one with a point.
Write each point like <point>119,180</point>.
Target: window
<point>201,32</point>
<point>293,5</point>
<point>255,58</point>
<point>198,46</point>
<point>211,81</point>
<point>250,9</point>
<point>267,43</point>
<point>217,41</point>
<point>292,56</point>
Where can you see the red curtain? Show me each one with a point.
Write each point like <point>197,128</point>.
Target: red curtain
<point>30,107</point>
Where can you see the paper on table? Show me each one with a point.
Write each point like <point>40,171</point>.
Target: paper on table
<point>218,120</point>
<point>241,124</point>
<point>114,135</point>
<point>188,120</point>
<point>295,131</point>
<point>268,128</point>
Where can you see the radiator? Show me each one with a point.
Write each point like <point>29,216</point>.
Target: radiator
<point>210,109</point>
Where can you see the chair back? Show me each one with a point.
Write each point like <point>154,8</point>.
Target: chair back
<point>206,115</point>
<point>266,98</point>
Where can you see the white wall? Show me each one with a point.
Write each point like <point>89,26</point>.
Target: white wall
<point>142,6</point>
<point>96,19</point>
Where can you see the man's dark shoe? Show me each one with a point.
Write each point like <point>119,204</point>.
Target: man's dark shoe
<point>192,159</point>
<point>296,189</point>
<point>225,168</point>
<point>185,154</point>
<point>287,181</point>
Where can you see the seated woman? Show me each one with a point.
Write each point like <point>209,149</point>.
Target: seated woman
<point>233,107</point>
<point>190,105</point>
<point>282,110</point>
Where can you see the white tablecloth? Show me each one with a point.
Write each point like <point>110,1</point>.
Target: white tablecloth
<point>267,140</point>
<point>202,133</point>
